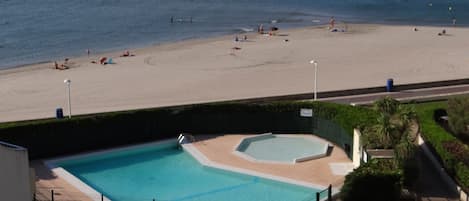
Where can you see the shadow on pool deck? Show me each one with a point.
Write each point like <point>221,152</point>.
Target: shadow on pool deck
<point>46,181</point>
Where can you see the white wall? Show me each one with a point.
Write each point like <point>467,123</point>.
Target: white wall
<point>357,148</point>
<point>15,180</point>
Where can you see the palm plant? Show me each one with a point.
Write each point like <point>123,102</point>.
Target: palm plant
<point>395,129</point>
<point>386,105</point>
<point>385,130</point>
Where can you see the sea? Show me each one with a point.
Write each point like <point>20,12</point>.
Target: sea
<point>35,31</point>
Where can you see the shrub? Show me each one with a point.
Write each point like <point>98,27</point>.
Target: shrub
<point>458,150</point>
<point>395,128</point>
<point>375,180</point>
<point>458,116</point>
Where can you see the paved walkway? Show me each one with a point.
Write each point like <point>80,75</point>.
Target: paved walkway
<point>46,181</point>
<point>406,95</point>
<point>430,186</point>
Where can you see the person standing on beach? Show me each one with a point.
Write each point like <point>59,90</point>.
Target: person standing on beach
<point>88,52</point>
<point>331,23</point>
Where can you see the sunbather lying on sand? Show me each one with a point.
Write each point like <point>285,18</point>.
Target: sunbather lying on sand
<point>126,54</point>
<point>61,67</point>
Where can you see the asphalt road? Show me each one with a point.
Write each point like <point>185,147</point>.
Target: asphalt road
<point>407,95</point>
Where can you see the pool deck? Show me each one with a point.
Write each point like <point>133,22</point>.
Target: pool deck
<point>46,180</point>
<point>220,149</point>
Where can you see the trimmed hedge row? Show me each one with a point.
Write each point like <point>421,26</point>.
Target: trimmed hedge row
<point>375,180</point>
<point>53,137</point>
<point>436,136</point>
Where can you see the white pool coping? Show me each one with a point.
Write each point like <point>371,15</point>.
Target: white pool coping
<point>189,148</point>
<point>295,160</point>
<point>203,160</point>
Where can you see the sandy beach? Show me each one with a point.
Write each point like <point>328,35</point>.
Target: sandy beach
<point>198,71</point>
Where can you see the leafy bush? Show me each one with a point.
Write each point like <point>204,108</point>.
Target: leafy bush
<point>458,116</point>
<point>395,128</point>
<point>375,180</point>
<point>458,150</point>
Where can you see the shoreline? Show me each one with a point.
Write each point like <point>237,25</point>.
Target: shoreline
<point>207,70</point>
<point>80,58</point>
<point>42,64</point>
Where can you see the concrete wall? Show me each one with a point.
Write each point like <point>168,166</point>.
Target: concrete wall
<point>15,175</point>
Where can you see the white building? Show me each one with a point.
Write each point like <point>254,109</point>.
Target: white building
<point>16,179</point>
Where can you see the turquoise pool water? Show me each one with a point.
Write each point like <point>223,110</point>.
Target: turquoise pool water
<point>281,148</point>
<point>165,173</point>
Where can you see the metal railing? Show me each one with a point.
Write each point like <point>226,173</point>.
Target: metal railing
<point>62,195</point>
<point>329,194</point>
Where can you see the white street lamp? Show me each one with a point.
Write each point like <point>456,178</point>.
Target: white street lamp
<point>315,78</point>
<point>67,81</point>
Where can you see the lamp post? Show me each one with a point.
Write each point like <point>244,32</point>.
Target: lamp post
<point>315,63</point>
<point>67,81</point>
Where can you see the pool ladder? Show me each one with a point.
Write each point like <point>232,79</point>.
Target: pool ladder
<point>185,138</point>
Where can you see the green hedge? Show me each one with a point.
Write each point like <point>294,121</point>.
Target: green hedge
<point>436,136</point>
<point>375,180</point>
<point>52,137</point>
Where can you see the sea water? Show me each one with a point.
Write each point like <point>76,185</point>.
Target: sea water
<point>34,31</point>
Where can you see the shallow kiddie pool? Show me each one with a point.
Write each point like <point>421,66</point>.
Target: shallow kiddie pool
<point>282,148</point>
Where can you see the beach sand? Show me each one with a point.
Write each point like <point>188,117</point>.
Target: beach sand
<point>198,71</point>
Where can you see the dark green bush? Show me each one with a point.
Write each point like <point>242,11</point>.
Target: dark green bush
<point>375,180</point>
<point>458,116</point>
<point>411,173</point>
<point>458,150</point>
<point>52,137</point>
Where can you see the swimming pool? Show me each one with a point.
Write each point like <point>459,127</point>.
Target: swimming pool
<point>164,172</point>
<point>281,148</point>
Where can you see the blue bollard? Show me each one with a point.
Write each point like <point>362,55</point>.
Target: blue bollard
<point>59,114</point>
<point>389,85</point>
